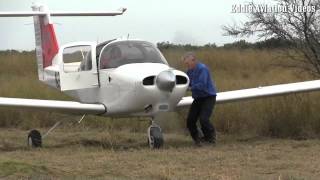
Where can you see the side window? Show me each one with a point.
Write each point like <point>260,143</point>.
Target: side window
<point>77,58</point>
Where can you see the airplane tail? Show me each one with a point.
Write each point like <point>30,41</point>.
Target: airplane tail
<point>46,41</point>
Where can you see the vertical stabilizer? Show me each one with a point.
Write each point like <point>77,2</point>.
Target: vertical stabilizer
<point>46,42</point>
<point>47,47</point>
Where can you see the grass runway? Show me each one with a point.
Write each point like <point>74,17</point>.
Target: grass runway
<point>100,154</point>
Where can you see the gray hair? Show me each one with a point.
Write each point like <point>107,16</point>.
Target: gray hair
<point>189,54</point>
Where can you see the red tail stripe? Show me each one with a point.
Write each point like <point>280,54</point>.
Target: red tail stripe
<point>49,43</point>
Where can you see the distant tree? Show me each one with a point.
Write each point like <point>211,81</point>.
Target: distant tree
<point>299,25</point>
<point>168,45</point>
<point>242,44</point>
<point>163,45</point>
<point>210,45</point>
<point>273,43</point>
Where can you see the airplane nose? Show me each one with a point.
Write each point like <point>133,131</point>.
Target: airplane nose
<point>166,80</point>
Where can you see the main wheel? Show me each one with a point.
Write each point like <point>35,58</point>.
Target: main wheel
<point>155,139</point>
<point>34,139</point>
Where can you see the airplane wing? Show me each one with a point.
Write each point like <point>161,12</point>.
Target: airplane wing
<point>52,105</point>
<point>259,92</point>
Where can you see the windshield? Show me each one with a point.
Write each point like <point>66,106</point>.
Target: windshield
<point>127,52</point>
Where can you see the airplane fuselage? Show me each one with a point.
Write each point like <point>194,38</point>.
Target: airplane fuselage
<point>130,88</point>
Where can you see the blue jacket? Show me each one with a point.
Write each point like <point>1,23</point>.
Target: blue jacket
<point>200,82</point>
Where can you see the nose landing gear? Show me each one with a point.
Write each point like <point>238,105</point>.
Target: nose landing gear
<point>155,137</point>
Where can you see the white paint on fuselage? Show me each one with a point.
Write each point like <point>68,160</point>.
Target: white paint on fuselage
<point>120,89</point>
<point>122,92</point>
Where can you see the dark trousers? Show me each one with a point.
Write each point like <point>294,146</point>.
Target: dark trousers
<point>201,108</point>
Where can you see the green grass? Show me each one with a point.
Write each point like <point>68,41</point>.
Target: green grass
<point>8,168</point>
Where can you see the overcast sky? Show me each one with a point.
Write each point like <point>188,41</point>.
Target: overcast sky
<point>179,21</point>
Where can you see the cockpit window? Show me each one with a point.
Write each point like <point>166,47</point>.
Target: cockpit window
<point>127,52</point>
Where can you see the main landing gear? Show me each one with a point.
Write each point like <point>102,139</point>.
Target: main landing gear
<point>155,137</point>
<point>35,138</point>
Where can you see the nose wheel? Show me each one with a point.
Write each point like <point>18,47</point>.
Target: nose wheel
<point>155,137</point>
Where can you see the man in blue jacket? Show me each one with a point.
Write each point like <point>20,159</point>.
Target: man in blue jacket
<point>204,95</point>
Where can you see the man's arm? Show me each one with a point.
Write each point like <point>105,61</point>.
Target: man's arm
<point>200,82</point>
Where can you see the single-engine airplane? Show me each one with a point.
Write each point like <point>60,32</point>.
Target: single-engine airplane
<point>116,78</point>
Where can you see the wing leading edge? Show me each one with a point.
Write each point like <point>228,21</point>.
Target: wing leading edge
<point>52,105</point>
<point>253,93</point>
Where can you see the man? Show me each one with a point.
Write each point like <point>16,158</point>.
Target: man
<point>204,95</point>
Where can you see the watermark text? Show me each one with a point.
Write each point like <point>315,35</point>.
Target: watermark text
<point>265,8</point>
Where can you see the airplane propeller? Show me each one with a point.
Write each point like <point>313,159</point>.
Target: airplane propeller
<point>166,80</point>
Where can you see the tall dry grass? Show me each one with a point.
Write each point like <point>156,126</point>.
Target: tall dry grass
<point>285,116</point>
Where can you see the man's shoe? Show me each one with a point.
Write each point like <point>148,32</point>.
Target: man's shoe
<point>197,143</point>
<point>202,139</point>
<point>209,141</point>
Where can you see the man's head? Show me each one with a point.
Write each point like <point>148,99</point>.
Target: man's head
<point>189,59</point>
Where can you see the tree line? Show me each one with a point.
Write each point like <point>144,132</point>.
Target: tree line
<point>272,43</point>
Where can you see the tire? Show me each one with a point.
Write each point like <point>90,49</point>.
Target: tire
<point>34,139</point>
<point>155,137</point>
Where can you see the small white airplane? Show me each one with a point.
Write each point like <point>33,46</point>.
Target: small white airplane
<point>116,78</point>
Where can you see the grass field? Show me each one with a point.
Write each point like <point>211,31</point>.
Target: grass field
<point>287,116</point>
<point>100,154</point>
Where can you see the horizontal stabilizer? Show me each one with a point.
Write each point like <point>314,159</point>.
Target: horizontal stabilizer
<point>62,13</point>
<point>53,106</point>
<point>253,93</point>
